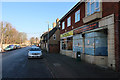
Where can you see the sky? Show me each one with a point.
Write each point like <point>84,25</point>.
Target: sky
<point>33,17</point>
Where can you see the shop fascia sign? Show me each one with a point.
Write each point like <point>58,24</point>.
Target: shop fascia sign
<point>86,28</point>
<point>67,34</point>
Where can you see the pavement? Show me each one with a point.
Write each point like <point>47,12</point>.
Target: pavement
<point>62,66</point>
<point>16,66</point>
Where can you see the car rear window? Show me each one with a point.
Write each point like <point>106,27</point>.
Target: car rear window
<point>35,49</point>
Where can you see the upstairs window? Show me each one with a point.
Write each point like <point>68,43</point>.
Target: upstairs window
<point>63,25</point>
<point>77,16</point>
<point>93,6</point>
<point>68,21</point>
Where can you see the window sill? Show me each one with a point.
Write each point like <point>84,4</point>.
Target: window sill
<point>77,22</point>
<point>94,16</point>
<point>68,26</point>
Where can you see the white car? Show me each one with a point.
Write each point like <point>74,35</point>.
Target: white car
<point>35,52</point>
<point>0,49</point>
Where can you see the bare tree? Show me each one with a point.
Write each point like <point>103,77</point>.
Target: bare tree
<point>9,35</point>
<point>37,40</point>
<point>32,40</point>
<point>1,34</point>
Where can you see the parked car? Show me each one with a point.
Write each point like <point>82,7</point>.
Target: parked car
<point>18,46</point>
<point>0,49</point>
<point>10,47</point>
<point>35,52</point>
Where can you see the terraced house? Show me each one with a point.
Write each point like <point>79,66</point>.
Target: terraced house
<point>92,28</point>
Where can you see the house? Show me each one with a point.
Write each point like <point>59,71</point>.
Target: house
<point>50,41</point>
<point>92,28</point>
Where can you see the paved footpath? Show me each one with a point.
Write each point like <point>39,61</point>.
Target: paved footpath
<point>62,66</point>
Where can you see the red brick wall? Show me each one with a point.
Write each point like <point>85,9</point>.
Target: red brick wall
<point>54,48</point>
<point>75,25</point>
<point>113,8</point>
<point>108,8</point>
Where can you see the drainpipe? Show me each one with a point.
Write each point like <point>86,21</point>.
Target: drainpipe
<point>118,39</point>
<point>119,34</point>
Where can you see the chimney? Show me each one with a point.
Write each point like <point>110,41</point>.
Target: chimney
<point>57,22</point>
<point>54,24</point>
<point>50,29</point>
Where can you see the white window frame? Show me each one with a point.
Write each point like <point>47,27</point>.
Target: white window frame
<point>68,21</point>
<point>54,37</point>
<point>63,25</point>
<point>77,15</point>
<point>90,10</point>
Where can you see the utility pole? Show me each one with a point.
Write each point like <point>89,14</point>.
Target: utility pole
<point>48,37</point>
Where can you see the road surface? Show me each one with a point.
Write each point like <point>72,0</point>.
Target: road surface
<point>15,64</point>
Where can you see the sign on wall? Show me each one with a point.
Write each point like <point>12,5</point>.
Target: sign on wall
<point>67,34</point>
<point>86,28</point>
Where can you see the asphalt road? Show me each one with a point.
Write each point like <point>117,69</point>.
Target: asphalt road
<point>15,64</point>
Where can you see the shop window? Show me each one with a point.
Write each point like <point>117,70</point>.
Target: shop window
<point>63,46</point>
<point>96,43</point>
<point>78,43</point>
<point>93,6</point>
<point>67,44</point>
<point>89,45</point>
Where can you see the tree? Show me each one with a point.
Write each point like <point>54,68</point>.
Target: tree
<point>23,37</point>
<point>37,40</point>
<point>32,40</point>
<point>9,35</point>
<point>1,34</point>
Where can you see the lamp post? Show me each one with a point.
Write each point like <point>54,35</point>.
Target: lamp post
<point>48,37</point>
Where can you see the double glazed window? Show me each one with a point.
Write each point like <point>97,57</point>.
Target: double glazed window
<point>68,21</point>
<point>93,6</point>
<point>77,16</point>
<point>63,25</point>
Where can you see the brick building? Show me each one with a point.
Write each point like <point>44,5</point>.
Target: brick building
<point>51,44</point>
<point>92,28</point>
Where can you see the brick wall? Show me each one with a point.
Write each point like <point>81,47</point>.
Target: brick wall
<point>72,14</point>
<point>54,45</point>
<point>54,48</point>
<point>108,8</point>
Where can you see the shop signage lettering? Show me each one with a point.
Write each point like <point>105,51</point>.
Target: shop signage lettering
<point>86,28</point>
<point>67,34</point>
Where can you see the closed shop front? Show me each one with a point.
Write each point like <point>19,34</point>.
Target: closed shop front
<point>78,43</point>
<point>92,42</point>
<point>96,43</point>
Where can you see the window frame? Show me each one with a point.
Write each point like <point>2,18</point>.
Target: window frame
<point>89,8</point>
<point>54,37</point>
<point>63,27</point>
<point>69,21</point>
<point>77,14</point>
